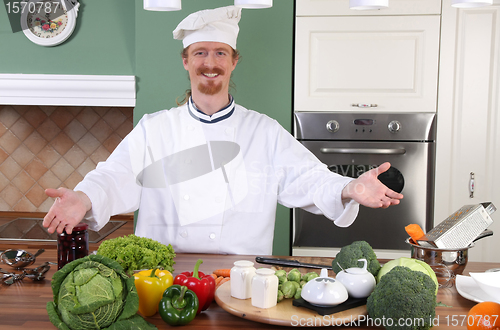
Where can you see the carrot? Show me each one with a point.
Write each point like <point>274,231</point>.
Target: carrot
<point>224,280</point>
<point>218,279</point>
<point>214,276</point>
<point>223,272</point>
<point>415,232</point>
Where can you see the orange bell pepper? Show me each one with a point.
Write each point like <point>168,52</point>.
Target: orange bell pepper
<point>150,285</point>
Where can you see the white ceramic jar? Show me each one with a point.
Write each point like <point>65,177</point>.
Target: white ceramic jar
<point>241,279</point>
<point>264,288</point>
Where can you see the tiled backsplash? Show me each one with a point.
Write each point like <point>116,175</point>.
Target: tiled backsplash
<point>50,147</point>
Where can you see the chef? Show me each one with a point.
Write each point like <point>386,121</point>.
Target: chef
<point>206,176</point>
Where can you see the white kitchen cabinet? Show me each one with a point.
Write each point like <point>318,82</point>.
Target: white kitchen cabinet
<point>341,8</point>
<point>468,138</point>
<point>389,63</point>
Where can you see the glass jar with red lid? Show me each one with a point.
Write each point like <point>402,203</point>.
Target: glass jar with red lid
<point>72,246</point>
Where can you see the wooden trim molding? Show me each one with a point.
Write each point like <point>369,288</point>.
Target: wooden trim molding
<point>67,90</point>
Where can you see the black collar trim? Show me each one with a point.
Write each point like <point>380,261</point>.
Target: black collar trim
<point>220,115</point>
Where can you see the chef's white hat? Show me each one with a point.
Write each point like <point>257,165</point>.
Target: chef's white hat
<point>220,25</point>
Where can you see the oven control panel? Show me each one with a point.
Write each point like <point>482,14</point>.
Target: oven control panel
<point>363,126</point>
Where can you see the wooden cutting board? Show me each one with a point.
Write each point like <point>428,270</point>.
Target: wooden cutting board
<point>284,313</point>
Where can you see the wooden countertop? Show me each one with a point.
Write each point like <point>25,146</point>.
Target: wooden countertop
<point>22,305</point>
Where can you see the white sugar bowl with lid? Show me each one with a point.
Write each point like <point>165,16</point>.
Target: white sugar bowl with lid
<point>241,279</point>
<point>324,291</point>
<point>359,282</point>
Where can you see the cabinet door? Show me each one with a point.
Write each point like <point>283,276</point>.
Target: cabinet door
<point>389,61</point>
<point>468,138</point>
<point>341,8</point>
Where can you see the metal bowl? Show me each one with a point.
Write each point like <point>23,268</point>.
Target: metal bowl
<point>446,263</point>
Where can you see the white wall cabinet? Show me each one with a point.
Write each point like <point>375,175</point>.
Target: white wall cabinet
<point>468,138</point>
<point>389,63</point>
<point>341,7</point>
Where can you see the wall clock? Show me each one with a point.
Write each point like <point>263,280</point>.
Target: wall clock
<point>49,22</point>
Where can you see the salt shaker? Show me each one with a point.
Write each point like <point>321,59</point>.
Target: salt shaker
<point>72,246</point>
<point>241,279</point>
<point>264,288</point>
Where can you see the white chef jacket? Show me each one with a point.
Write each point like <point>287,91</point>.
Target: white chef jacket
<point>210,184</point>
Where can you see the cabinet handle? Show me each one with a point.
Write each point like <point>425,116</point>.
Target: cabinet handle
<point>471,185</point>
<point>364,105</point>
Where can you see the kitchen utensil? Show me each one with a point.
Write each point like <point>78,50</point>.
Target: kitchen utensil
<point>446,263</point>
<point>489,282</point>
<point>461,228</point>
<point>19,258</point>
<point>38,273</point>
<point>485,233</point>
<point>9,278</point>
<point>324,291</point>
<point>289,263</point>
<point>359,282</point>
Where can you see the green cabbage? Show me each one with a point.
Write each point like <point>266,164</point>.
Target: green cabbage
<point>413,264</point>
<point>94,293</point>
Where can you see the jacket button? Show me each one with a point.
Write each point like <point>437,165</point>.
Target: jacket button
<point>212,236</point>
<point>184,234</point>
<point>186,197</point>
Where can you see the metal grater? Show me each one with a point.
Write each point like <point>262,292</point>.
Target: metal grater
<point>461,228</point>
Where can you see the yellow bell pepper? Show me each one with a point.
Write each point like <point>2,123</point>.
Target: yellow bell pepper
<point>150,285</point>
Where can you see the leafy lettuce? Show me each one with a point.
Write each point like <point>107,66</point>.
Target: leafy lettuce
<point>134,253</point>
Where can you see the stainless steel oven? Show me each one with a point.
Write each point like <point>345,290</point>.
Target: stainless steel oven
<point>352,143</point>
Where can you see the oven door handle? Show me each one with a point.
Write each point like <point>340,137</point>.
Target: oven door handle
<point>368,151</point>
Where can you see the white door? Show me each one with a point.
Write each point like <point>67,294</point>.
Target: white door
<point>468,131</point>
<point>386,63</point>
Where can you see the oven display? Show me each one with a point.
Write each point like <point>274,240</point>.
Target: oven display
<point>364,122</point>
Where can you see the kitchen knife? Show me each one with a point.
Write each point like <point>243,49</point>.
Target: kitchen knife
<point>288,263</point>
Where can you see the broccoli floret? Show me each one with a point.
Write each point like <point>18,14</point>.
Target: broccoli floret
<point>405,299</point>
<point>350,254</point>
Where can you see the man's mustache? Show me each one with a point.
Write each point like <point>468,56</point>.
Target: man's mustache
<point>204,70</point>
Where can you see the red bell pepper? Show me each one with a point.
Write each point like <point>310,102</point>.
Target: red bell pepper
<point>203,285</point>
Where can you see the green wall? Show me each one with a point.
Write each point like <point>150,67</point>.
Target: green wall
<point>119,37</point>
<point>103,43</point>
